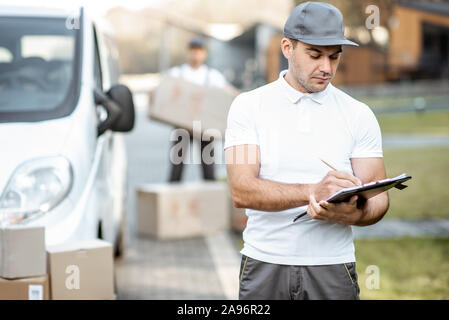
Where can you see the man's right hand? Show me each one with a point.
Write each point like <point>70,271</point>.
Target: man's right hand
<point>333,182</point>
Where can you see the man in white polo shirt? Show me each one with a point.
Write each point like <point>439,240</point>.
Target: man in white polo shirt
<point>284,130</point>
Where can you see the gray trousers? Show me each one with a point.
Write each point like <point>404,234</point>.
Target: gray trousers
<point>267,281</point>
<point>176,169</point>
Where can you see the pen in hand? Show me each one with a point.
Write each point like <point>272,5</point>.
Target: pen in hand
<point>327,164</point>
<point>304,213</point>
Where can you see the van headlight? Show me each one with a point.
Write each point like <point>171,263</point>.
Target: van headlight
<point>35,187</point>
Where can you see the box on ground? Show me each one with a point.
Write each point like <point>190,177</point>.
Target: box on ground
<point>22,252</point>
<point>178,210</point>
<point>180,103</point>
<point>34,288</point>
<point>238,219</point>
<point>81,270</point>
<point>238,216</point>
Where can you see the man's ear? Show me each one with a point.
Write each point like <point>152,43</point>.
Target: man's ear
<point>287,48</point>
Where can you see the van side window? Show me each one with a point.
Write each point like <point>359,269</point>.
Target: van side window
<point>98,77</point>
<point>111,52</point>
<point>5,55</point>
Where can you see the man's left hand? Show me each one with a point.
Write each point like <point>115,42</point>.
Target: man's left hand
<point>344,212</point>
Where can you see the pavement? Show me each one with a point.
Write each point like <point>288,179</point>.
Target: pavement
<point>206,267</point>
<point>443,105</point>
<point>396,228</point>
<point>414,141</point>
<point>197,268</point>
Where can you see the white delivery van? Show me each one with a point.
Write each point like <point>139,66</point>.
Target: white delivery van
<point>62,111</point>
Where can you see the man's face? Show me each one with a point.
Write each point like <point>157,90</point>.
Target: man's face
<point>313,67</point>
<point>196,56</point>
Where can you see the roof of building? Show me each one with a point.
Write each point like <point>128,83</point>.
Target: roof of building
<point>438,7</point>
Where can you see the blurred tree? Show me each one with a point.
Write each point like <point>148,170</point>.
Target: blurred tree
<point>137,56</point>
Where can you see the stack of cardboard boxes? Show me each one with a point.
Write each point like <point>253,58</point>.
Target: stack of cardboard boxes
<point>30,271</point>
<point>23,264</point>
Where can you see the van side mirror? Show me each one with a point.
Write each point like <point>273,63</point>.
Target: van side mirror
<point>112,109</point>
<point>119,106</point>
<point>122,96</point>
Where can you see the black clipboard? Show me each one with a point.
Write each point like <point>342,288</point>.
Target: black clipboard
<point>366,191</point>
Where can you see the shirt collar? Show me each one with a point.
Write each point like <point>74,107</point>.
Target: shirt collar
<point>201,68</point>
<point>294,95</point>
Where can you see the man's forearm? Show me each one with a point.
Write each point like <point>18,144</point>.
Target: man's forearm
<point>266,195</point>
<point>374,209</point>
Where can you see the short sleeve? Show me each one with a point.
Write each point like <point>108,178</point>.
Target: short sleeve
<point>368,137</point>
<point>241,125</point>
<point>175,72</point>
<point>217,79</point>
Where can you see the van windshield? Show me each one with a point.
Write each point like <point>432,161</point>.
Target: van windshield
<point>39,68</point>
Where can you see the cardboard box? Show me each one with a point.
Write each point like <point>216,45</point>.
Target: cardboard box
<point>238,216</point>
<point>22,252</point>
<point>35,288</point>
<point>238,219</point>
<point>180,103</point>
<point>179,210</point>
<point>81,270</point>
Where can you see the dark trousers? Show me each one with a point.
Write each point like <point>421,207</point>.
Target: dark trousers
<point>267,281</point>
<point>176,169</point>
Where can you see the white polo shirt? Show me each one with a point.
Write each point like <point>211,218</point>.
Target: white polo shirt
<point>294,131</point>
<point>203,76</point>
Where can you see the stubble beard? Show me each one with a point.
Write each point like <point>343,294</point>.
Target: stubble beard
<point>304,83</point>
<point>303,80</point>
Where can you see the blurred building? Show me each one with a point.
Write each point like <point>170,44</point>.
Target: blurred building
<point>418,47</point>
<point>155,38</point>
<point>419,44</point>
<point>252,58</point>
<point>415,46</point>
<point>411,42</point>
<point>366,64</point>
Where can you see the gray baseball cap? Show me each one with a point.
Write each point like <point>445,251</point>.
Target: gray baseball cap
<point>317,23</point>
<point>196,42</point>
